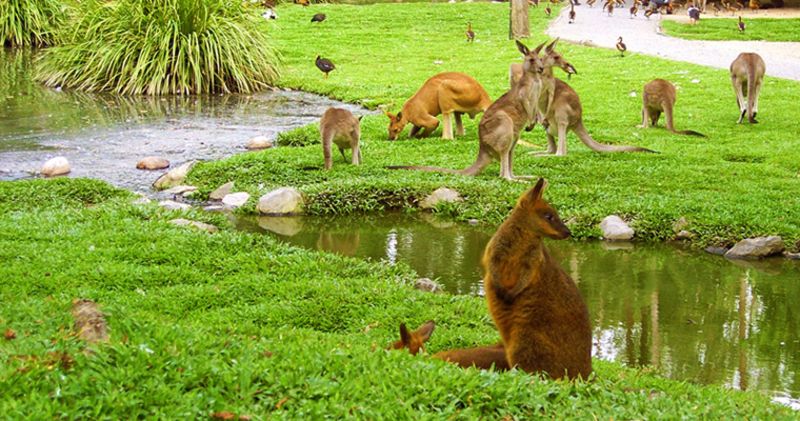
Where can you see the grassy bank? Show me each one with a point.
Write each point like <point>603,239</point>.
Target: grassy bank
<point>741,181</point>
<point>759,29</point>
<point>238,322</point>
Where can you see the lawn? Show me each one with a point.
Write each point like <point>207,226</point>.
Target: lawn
<point>741,181</point>
<point>724,29</point>
<point>239,323</point>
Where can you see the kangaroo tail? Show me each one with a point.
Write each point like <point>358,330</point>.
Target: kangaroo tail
<point>483,160</point>
<point>587,140</point>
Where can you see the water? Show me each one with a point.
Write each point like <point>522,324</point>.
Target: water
<point>691,315</point>
<point>104,136</point>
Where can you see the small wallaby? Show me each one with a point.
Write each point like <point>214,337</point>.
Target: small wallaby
<point>414,341</point>
<point>485,357</point>
<point>747,71</point>
<point>659,96</point>
<point>341,127</point>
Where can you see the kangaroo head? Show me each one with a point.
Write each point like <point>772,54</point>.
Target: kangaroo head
<point>414,341</point>
<point>532,63</point>
<point>396,124</point>
<point>553,59</point>
<point>539,215</point>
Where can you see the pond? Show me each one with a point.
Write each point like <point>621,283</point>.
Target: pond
<point>691,315</point>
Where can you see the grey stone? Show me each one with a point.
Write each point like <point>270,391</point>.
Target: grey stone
<point>426,284</point>
<point>235,200</point>
<point>684,235</point>
<point>614,228</point>
<point>473,222</point>
<point>282,201</point>
<point>180,190</point>
<point>442,194</point>
<point>680,225</point>
<point>283,225</point>
<point>791,256</point>
<point>173,205</point>
<point>756,248</point>
<point>56,166</point>
<point>199,225</point>
<point>173,177</point>
<point>221,191</point>
<point>214,208</point>
<point>719,251</point>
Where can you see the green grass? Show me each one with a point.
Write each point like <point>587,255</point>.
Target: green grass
<point>741,181</point>
<point>31,22</point>
<point>163,47</point>
<point>756,29</point>
<point>238,322</point>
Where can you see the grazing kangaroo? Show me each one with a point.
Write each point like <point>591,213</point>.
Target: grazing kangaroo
<point>541,316</point>
<point>341,127</point>
<point>659,96</point>
<point>501,124</point>
<point>449,93</point>
<point>747,70</point>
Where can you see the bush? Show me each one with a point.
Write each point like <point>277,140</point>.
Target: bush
<point>163,47</point>
<point>30,22</point>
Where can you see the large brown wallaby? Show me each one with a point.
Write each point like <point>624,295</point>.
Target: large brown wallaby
<point>448,93</point>
<point>659,96</point>
<point>341,127</point>
<point>501,124</point>
<point>747,71</point>
<point>541,316</point>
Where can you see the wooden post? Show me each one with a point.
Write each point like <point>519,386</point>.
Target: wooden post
<point>518,20</point>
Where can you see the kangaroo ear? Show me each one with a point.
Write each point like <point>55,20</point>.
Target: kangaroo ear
<point>399,115</point>
<point>424,332</point>
<point>360,117</point>
<point>539,48</point>
<point>551,46</point>
<point>538,190</point>
<point>522,48</point>
<point>405,337</point>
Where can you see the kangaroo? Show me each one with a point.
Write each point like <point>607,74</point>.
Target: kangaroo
<point>659,96</point>
<point>414,341</point>
<point>501,124</point>
<point>747,70</point>
<point>341,127</point>
<point>449,93</point>
<point>485,358</point>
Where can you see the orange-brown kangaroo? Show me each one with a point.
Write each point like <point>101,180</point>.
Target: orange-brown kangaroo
<point>542,319</point>
<point>448,93</point>
<point>747,70</point>
<point>485,358</point>
<point>659,96</point>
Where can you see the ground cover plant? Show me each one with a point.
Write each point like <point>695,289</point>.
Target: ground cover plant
<point>181,46</point>
<point>724,29</point>
<point>739,182</point>
<point>31,22</point>
<point>239,323</point>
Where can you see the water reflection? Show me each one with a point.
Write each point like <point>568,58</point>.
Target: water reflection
<point>689,314</point>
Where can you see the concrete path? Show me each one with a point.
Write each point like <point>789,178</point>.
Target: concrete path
<point>642,36</point>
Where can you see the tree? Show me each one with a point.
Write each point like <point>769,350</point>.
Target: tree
<point>518,20</point>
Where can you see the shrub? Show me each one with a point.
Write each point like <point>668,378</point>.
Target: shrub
<point>30,22</point>
<point>163,47</point>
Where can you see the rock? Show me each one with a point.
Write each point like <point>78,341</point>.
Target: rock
<point>791,256</point>
<point>756,248</point>
<point>140,201</point>
<point>473,222</point>
<point>283,201</point>
<point>680,225</point>
<point>282,225</point>
<point>221,191</point>
<point>684,235</point>
<point>199,225</point>
<point>259,142</point>
<point>56,166</point>
<point>173,177</point>
<point>614,228</point>
<point>719,251</point>
<point>173,205</point>
<point>425,284</point>
<point>235,200</point>
<point>214,208</point>
<point>152,163</point>
<point>442,194</point>
<point>182,189</point>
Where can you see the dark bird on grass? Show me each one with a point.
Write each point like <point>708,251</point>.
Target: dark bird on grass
<point>319,17</point>
<point>571,13</point>
<point>741,25</point>
<point>325,65</point>
<point>470,33</point>
<point>621,47</point>
<point>547,11</point>
<point>634,10</point>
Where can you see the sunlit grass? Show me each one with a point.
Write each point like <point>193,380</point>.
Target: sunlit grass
<point>31,22</point>
<point>723,29</point>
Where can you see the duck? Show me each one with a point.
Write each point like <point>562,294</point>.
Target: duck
<point>571,13</point>
<point>319,17</point>
<point>621,47</point>
<point>470,33</point>
<point>325,65</point>
<point>741,24</point>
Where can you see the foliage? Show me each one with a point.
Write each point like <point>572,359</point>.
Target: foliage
<point>163,46</point>
<point>31,22</point>
<point>301,136</point>
<point>757,29</point>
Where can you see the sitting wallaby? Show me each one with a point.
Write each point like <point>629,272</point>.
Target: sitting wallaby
<point>747,71</point>
<point>501,124</point>
<point>659,96</point>
<point>448,93</point>
<point>541,316</point>
<point>341,127</point>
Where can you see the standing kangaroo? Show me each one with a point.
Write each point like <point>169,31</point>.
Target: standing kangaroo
<point>747,70</point>
<point>449,93</point>
<point>541,316</point>
<point>501,124</point>
<point>341,127</point>
<point>659,96</point>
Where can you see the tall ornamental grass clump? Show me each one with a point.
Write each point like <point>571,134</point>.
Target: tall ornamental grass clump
<point>30,22</point>
<point>163,47</point>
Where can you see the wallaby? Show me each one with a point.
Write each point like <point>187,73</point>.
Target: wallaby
<point>414,341</point>
<point>487,357</point>
<point>449,93</point>
<point>659,96</point>
<point>341,127</point>
<point>564,112</point>
<point>747,70</point>
<point>501,124</point>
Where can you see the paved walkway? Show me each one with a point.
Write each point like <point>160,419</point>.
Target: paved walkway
<point>642,36</point>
